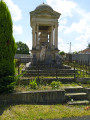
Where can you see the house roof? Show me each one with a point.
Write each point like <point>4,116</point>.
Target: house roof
<point>86,51</point>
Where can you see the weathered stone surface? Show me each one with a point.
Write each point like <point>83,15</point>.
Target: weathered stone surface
<point>44,23</point>
<point>38,97</point>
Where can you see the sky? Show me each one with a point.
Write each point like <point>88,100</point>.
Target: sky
<point>74,22</point>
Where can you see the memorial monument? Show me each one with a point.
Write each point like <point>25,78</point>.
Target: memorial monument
<point>44,23</point>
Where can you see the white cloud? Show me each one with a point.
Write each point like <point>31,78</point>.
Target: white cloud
<point>80,29</point>
<point>14,9</point>
<point>16,16</point>
<point>64,47</point>
<point>17,29</point>
<point>28,42</point>
<point>77,27</point>
<point>64,21</point>
<point>60,40</point>
<point>63,6</point>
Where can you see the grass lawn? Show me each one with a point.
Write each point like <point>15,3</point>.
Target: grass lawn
<point>39,112</point>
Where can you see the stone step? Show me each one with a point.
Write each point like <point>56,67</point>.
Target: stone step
<point>48,74</point>
<point>76,96</point>
<point>81,102</point>
<point>74,89</point>
<point>49,71</point>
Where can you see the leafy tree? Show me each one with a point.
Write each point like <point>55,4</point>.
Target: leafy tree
<point>7,50</point>
<point>22,48</point>
<point>89,45</point>
<point>75,52</point>
<point>62,53</point>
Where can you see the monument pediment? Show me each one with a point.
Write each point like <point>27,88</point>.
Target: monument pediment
<point>45,13</point>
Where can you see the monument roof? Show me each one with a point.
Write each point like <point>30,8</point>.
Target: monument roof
<point>43,6</point>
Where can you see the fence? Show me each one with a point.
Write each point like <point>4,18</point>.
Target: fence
<point>54,72</point>
<point>82,67</point>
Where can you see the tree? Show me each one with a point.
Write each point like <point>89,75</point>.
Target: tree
<point>7,50</point>
<point>89,45</point>
<point>22,48</point>
<point>62,53</point>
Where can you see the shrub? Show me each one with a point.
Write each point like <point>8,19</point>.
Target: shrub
<point>33,84</point>
<point>4,83</point>
<point>7,49</point>
<point>55,84</point>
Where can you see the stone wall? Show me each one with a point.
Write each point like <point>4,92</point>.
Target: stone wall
<point>36,97</point>
<point>24,58</point>
<point>81,57</point>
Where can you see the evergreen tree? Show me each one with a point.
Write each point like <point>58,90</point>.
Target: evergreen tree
<point>7,49</point>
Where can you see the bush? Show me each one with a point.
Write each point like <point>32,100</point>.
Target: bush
<point>55,84</point>
<point>7,84</point>
<point>33,84</point>
<point>7,50</point>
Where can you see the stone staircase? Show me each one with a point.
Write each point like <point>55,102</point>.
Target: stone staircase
<point>73,95</point>
<point>49,72</point>
<point>76,96</point>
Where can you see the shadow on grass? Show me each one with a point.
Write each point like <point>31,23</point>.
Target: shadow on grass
<point>3,108</point>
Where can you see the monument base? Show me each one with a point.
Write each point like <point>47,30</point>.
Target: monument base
<point>48,57</point>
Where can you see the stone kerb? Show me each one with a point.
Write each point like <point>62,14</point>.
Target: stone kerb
<point>36,97</point>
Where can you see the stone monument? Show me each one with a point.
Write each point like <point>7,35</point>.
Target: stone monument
<point>44,23</point>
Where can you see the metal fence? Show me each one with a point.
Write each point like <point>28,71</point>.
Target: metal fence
<point>68,70</point>
<point>82,68</point>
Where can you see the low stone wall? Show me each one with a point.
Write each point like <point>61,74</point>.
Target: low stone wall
<point>83,80</point>
<point>36,97</point>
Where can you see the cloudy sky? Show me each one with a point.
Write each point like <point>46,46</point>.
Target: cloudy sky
<point>74,23</point>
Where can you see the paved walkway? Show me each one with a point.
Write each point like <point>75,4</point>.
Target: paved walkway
<point>74,118</point>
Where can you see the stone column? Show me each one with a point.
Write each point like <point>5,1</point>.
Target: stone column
<point>56,36</point>
<point>50,39</point>
<point>52,35</point>
<point>37,34</point>
<point>33,39</point>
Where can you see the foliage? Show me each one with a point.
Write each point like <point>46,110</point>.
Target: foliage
<point>33,84</point>
<point>22,48</point>
<point>55,84</point>
<point>62,53</point>
<point>75,52</point>
<point>7,49</point>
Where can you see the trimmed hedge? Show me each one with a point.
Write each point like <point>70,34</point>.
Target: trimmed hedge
<point>7,49</point>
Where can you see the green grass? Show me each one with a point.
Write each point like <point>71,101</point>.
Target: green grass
<point>21,88</point>
<point>85,85</point>
<point>38,112</point>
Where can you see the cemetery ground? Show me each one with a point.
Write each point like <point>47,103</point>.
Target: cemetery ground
<point>43,111</point>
